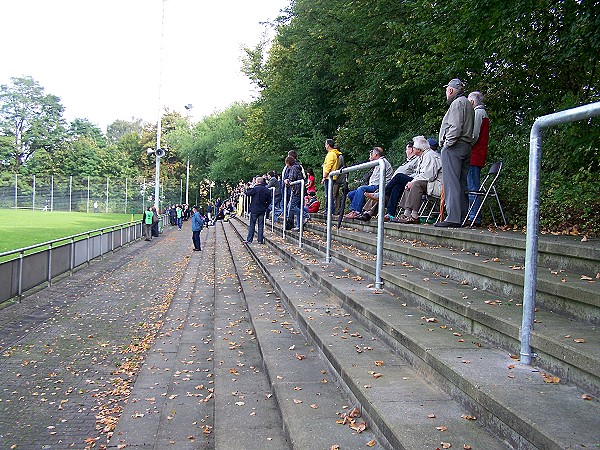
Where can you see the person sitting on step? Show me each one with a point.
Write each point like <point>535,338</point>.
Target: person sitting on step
<point>357,196</point>
<point>427,180</point>
<point>395,187</point>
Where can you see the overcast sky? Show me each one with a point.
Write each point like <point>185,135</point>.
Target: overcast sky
<point>102,57</point>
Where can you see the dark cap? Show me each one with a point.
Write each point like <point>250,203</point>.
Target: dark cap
<point>455,83</point>
<point>433,143</point>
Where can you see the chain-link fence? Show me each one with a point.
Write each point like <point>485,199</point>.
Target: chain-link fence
<point>85,194</point>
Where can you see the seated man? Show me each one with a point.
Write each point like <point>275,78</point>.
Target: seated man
<point>395,187</point>
<point>357,197</point>
<point>429,173</point>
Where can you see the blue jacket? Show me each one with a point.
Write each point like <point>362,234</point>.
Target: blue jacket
<point>197,222</point>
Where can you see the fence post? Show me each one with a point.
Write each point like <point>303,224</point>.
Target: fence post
<point>16,191</point>
<point>50,264</point>
<point>33,195</point>
<point>20,283</point>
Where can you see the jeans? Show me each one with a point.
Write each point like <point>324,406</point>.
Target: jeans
<point>357,197</point>
<point>179,222</point>
<point>474,184</point>
<point>295,209</point>
<point>254,218</point>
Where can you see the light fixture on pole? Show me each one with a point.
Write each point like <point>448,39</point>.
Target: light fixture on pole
<point>188,108</point>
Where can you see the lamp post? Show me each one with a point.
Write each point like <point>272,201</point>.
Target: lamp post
<point>188,108</point>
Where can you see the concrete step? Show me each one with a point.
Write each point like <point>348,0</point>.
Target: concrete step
<point>489,315</point>
<point>572,294</point>
<point>408,411</point>
<point>556,251</point>
<point>307,392</point>
<point>514,400</point>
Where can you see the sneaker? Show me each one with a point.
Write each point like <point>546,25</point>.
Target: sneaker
<point>295,229</point>
<point>388,218</point>
<point>351,215</point>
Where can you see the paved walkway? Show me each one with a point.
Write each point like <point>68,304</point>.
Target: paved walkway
<point>159,347</point>
<point>69,354</point>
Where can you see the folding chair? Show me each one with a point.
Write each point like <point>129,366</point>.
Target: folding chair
<point>430,208</point>
<point>487,190</point>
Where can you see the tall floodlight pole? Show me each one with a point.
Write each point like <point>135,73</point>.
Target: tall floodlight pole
<point>158,124</point>
<point>188,108</point>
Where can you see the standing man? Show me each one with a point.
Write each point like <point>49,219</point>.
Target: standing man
<point>329,165</point>
<point>147,222</point>
<point>260,198</point>
<point>481,135</point>
<point>197,224</point>
<point>456,133</point>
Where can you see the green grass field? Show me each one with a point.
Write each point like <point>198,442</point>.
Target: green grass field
<point>22,228</point>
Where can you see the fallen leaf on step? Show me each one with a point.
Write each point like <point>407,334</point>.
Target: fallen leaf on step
<point>441,428</point>
<point>446,444</point>
<point>550,379</point>
<point>468,417</point>
<point>371,443</point>
<point>587,397</point>
<point>586,278</point>
<point>431,416</point>
<point>379,363</point>
<point>579,341</point>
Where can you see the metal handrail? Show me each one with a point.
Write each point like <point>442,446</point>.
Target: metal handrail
<point>272,189</point>
<point>533,213</point>
<point>66,238</point>
<point>301,182</point>
<point>381,163</point>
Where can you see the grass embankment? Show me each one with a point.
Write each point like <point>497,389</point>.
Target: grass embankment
<point>22,228</point>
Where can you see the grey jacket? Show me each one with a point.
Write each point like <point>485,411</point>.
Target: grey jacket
<point>457,124</point>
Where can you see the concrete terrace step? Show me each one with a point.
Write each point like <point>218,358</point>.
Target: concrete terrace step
<point>559,290</point>
<point>558,252</point>
<point>307,393</point>
<point>497,320</point>
<point>405,408</point>
<point>478,375</point>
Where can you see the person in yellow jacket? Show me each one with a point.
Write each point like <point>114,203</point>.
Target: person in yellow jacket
<point>329,165</point>
<point>147,223</point>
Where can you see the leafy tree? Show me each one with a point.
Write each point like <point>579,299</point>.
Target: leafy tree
<point>31,118</point>
<point>120,128</point>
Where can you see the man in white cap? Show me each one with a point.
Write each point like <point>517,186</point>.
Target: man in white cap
<point>456,133</point>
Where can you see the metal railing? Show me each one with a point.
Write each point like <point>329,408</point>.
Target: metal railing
<point>29,267</point>
<point>381,163</point>
<point>301,183</point>
<point>272,189</point>
<point>533,213</point>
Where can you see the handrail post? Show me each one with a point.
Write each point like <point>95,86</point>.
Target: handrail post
<point>301,228</point>
<point>381,163</point>
<point>101,252</point>
<point>272,189</point>
<point>329,212</point>
<point>533,214</point>
<point>379,262</point>
<point>284,211</point>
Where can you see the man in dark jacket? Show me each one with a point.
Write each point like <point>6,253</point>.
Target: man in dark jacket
<point>260,198</point>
